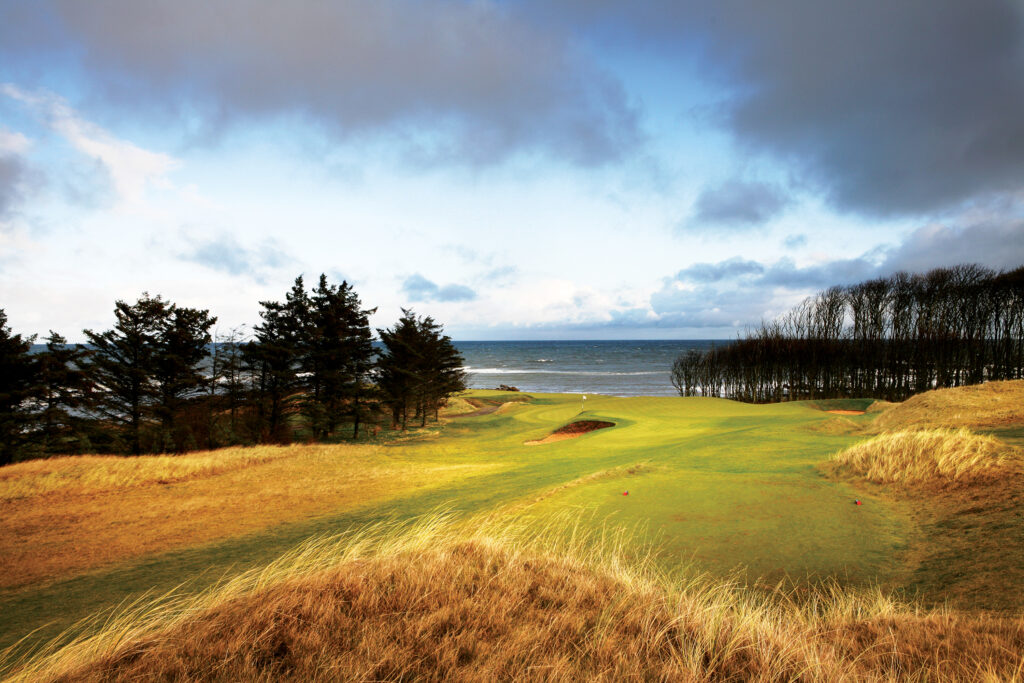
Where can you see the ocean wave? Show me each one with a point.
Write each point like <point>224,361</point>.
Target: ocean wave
<point>517,371</point>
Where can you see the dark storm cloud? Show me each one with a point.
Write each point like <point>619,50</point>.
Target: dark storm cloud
<point>885,107</point>
<point>419,288</point>
<point>892,107</point>
<point>738,204</point>
<point>225,254</point>
<point>485,83</point>
<point>995,243</point>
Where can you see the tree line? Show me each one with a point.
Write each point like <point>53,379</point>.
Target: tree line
<point>886,338</point>
<point>160,380</point>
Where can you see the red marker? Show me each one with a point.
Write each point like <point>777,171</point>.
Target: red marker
<point>858,502</point>
<point>626,493</point>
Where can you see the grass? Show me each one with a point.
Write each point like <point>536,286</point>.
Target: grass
<point>488,601</point>
<point>991,405</point>
<point>926,456</point>
<point>735,490</point>
<point>67,516</point>
<point>93,473</point>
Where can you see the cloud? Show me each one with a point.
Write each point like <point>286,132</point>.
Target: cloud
<point>131,169</point>
<point>795,241</point>
<point>419,288</point>
<point>737,292</point>
<point>738,204</point>
<point>486,83</point>
<point>15,173</point>
<point>224,254</point>
<point>711,307</point>
<point>729,269</point>
<point>891,108</point>
<point>886,108</point>
<point>993,243</point>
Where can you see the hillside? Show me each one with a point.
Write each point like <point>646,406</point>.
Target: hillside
<point>993,405</point>
<point>434,602</point>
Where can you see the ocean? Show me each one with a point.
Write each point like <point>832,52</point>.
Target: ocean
<point>615,368</point>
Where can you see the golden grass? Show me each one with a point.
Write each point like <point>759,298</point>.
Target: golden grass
<point>880,406</point>
<point>989,405</point>
<point>457,405</point>
<point>436,600</point>
<point>927,455</point>
<point>90,473</point>
<point>68,515</point>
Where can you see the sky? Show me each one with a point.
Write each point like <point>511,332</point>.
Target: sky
<point>523,169</point>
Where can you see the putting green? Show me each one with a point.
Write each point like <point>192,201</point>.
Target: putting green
<point>716,484</point>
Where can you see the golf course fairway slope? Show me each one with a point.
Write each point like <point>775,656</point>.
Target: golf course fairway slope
<point>694,485</point>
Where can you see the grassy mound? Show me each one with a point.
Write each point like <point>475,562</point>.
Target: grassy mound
<point>435,602</point>
<point>929,455</point>
<point>989,405</point>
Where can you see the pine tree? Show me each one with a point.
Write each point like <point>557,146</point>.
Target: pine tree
<point>121,365</point>
<point>62,395</point>
<point>340,355</point>
<point>226,388</point>
<point>398,367</point>
<point>442,371</point>
<point>182,346</point>
<point>273,359</point>
<point>17,388</point>
<point>419,369</point>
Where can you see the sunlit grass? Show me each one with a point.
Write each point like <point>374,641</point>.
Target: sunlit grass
<point>929,455</point>
<point>90,473</point>
<point>489,599</point>
<point>977,406</point>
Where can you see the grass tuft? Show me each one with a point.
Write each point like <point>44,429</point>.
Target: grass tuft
<point>929,455</point>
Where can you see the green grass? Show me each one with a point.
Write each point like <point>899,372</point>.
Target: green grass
<point>725,486</point>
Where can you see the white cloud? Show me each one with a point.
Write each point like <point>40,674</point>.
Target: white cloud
<point>132,169</point>
<point>13,143</point>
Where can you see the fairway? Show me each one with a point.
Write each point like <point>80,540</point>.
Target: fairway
<point>713,485</point>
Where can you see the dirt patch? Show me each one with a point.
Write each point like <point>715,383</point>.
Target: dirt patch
<point>846,412</point>
<point>571,431</point>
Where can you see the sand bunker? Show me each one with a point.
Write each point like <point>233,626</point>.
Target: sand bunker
<point>571,431</point>
<point>845,412</point>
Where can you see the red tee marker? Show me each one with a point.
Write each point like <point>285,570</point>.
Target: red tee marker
<point>858,502</point>
<point>626,493</point>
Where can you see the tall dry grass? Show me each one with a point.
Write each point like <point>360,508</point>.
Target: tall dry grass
<point>977,406</point>
<point>89,473</point>
<point>927,455</point>
<point>438,600</point>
